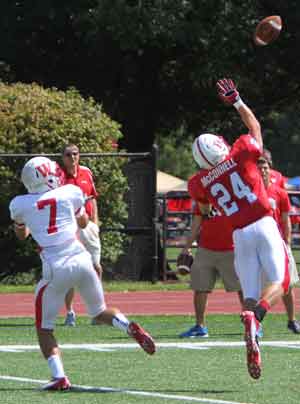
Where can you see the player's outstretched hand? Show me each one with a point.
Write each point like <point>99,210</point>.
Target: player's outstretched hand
<point>227,91</point>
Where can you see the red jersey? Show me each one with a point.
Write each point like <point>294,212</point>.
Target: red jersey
<point>235,186</point>
<point>84,180</point>
<point>277,178</point>
<point>215,232</point>
<point>280,203</point>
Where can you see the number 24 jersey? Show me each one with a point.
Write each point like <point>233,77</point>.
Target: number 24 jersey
<point>235,186</point>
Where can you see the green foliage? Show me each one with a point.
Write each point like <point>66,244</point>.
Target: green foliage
<point>38,120</point>
<point>175,154</point>
<point>154,64</point>
<point>282,136</point>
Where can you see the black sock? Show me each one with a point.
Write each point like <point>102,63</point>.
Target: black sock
<point>259,313</point>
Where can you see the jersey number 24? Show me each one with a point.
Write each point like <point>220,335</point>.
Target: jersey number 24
<point>239,189</point>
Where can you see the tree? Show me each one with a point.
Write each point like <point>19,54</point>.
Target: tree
<point>175,154</point>
<point>38,120</point>
<point>135,54</point>
<point>153,63</point>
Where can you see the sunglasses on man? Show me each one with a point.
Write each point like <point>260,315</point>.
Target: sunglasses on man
<point>70,154</point>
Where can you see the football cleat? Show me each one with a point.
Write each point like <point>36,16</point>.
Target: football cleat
<point>195,332</point>
<point>253,353</point>
<point>294,326</point>
<point>70,319</point>
<point>57,384</point>
<point>142,337</point>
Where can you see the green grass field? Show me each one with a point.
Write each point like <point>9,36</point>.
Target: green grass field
<point>210,370</point>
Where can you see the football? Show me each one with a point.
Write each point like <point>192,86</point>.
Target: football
<point>184,263</point>
<point>267,30</point>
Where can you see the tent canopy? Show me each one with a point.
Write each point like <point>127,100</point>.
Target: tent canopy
<point>167,183</point>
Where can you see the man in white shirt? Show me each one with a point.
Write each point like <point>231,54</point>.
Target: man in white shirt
<point>52,214</point>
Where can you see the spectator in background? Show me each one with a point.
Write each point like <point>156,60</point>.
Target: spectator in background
<point>280,204</point>
<point>214,257</point>
<point>276,177</point>
<point>79,175</point>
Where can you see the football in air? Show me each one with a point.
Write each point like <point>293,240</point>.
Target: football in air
<point>267,30</point>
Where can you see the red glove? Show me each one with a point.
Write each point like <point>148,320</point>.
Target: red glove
<point>227,91</point>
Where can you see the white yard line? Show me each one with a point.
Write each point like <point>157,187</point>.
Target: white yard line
<point>195,344</point>
<point>125,391</point>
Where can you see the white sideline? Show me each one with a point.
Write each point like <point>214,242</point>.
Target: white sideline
<point>195,344</point>
<point>125,391</point>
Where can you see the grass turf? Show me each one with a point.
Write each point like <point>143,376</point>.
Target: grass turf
<point>217,373</point>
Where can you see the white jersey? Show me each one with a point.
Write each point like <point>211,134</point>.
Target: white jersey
<point>51,219</point>
<point>50,216</point>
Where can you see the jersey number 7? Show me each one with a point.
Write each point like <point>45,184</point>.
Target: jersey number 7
<point>52,218</point>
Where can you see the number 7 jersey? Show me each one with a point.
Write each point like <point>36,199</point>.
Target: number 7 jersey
<point>235,186</point>
<point>50,216</point>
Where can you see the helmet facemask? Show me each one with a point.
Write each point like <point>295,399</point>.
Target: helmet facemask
<point>209,150</point>
<point>40,175</point>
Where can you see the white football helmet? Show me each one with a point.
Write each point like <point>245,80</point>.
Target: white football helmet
<point>41,174</point>
<point>209,150</point>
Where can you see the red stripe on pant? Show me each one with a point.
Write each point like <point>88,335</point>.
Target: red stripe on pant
<point>287,279</point>
<point>39,307</point>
